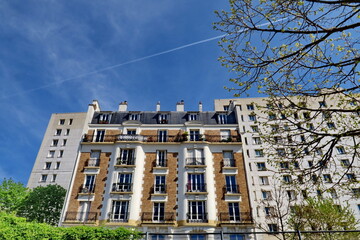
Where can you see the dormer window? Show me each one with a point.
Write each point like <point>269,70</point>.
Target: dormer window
<point>222,118</point>
<point>104,118</point>
<point>192,117</point>
<point>163,118</point>
<point>134,116</point>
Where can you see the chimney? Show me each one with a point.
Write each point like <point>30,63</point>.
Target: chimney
<point>200,106</point>
<point>123,106</point>
<point>180,106</point>
<point>158,106</point>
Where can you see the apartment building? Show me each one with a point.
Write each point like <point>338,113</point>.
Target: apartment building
<point>161,172</point>
<point>55,161</point>
<point>271,168</point>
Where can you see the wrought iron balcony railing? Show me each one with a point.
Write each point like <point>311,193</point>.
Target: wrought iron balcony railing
<point>195,161</point>
<point>93,162</point>
<point>229,162</point>
<point>196,187</point>
<point>118,217</point>
<point>241,218</point>
<point>121,187</point>
<point>150,217</point>
<point>87,188</point>
<point>160,163</point>
<point>196,217</point>
<point>81,216</point>
<point>229,189</point>
<point>125,161</point>
<point>159,189</point>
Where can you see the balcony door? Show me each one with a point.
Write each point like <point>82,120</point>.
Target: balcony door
<point>234,212</point>
<point>196,182</point>
<point>89,183</point>
<point>195,157</point>
<point>100,136</point>
<point>127,156</point>
<point>231,186</point>
<point>124,182</point>
<point>120,211</point>
<point>159,211</point>
<point>197,211</point>
<point>162,136</point>
<point>194,135</point>
<point>160,183</point>
<point>83,212</point>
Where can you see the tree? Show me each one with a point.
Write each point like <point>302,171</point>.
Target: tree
<point>299,53</point>
<point>323,214</point>
<point>11,195</point>
<point>43,204</point>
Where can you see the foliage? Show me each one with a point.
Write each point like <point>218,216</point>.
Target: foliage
<point>323,214</point>
<point>43,204</point>
<point>12,227</point>
<point>11,195</point>
<point>299,53</point>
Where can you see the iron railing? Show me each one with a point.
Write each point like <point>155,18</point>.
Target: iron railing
<point>118,217</point>
<point>229,162</point>
<point>196,187</point>
<point>93,162</point>
<point>196,217</point>
<point>160,163</point>
<point>87,188</point>
<point>150,217</point>
<point>229,189</point>
<point>125,161</point>
<point>241,218</point>
<point>159,188</point>
<point>81,216</point>
<point>195,161</point>
<point>121,187</point>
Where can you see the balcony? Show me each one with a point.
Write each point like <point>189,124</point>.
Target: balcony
<point>159,189</point>
<point>87,189</point>
<point>125,161</point>
<point>118,217</point>
<point>121,187</point>
<point>242,218</point>
<point>231,189</point>
<point>195,161</point>
<point>157,138</point>
<point>196,217</point>
<point>160,163</point>
<point>195,187</point>
<point>165,218</point>
<point>227,162</point>
<point>80,217</point>
<point>93,162</point>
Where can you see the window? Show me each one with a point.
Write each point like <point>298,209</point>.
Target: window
<point>318,151</point>
<point>256,140</point>
<point>322,104</point>
<point>350,176</point>
<point>269,211</point>
<point>250,107</point>
<point>266,195</point>
<point>67,132</point>
<point>222,119</point>
<point>70,121</point>
<point>234,212</point>
<point>197,211</point>
<point>53,179</point>
<point>340,150</point>
<point>64,142</point>
<point>310,126</point>
<point>51,154</point>
<point>104,118</point>
<point>273,227</point>
<point>161,158</point>
<point>197,237</point>
<point>333,193</point>
<point>58,132</point>
<point>231,186</point>
<point>356,192</point>
<point>296,116</point>
<point>264,180</point>
<point>252,117</point>
<point>134,116</point>
<point>237,237</point>
<point>226,107</point>
<point>296,164</point>
<point>131,131</point>
<point>43,178</point>
<point>306,115</point>
<point>310,163</point>
<point>278,139</point>
<point>225,135</point>
<point>272,116</point>
<point>162,136</point>
<point>327,178</point>
<point>261,166</point>
<point>119,211</point>
<point>163,118</point>
<point>259,153</point>
<point>282,116</point>
<point>100,136</point>
<point>331,125</point>
<point>345,162</point>
<point>157,237</point>
<point>83,211</point>
<point>287,179</point>
<point>192,117</point>
<point>127,157</point>
<point>159,212</point>
<point>61,121</point>
<point>195,157</point>
<point>254,128</point>
<point>194,135</point>
<point>123,184</point>
<point>228,157</point>
<point>54,142</point>
<point>196,183</point>
<point>280,152</point>
<point>302,138</point>
<point>89,184</point>
<point>61,153</point>
<point>306,151</point>
<point>291,194</point>
<point>57,166</point>
<point>160,184</point>
<point>47,165</point>
<point>284,165</point>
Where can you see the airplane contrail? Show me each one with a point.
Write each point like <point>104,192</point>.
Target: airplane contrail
<point>129,62</point>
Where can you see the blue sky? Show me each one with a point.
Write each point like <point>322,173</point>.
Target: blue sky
<point>53,54</point>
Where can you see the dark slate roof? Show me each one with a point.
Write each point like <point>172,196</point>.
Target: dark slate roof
<point>172,117</point>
